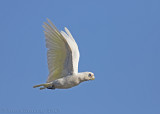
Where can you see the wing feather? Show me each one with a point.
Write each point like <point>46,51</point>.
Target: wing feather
<point>74,47</point>
<point>59,54</point>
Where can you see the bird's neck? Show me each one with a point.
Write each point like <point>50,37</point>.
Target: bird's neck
<point>81,77</point>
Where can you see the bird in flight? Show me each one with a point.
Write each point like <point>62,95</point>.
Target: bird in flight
<point>63,58</point>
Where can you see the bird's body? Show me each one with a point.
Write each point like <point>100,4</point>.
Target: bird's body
<point>68,81</point>
<point>63,58</point>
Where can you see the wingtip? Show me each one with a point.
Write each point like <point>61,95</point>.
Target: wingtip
<point>66,29</point>
<point>48,20</point>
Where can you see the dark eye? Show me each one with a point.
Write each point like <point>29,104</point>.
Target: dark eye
<point>89,75</point>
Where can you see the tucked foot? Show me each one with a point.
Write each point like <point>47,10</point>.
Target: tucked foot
<point>46,85</point>
<point>51,87</point>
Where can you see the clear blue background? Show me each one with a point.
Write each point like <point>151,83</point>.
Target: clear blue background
<point>119,40</point>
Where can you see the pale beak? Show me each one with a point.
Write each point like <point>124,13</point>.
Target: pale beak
<point>93,77</point>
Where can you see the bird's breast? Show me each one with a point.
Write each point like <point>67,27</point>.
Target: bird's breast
<point>66,82</point>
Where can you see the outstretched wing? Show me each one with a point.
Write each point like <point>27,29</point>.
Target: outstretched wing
<point>59,55</point>
<point>74,48</point>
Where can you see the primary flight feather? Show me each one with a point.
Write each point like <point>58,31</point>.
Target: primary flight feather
<point>63,58</point>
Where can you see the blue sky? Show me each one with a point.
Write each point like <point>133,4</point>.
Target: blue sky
<point>119,40</point>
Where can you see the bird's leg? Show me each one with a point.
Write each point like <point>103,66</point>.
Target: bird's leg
<point>46,85</point>
<point>51,87</point>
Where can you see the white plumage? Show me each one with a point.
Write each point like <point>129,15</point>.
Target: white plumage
<point>63,58</point>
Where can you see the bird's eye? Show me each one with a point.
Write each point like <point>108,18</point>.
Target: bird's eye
<point>89,75</point>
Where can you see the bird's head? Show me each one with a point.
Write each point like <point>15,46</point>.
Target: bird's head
<point>88,76</point>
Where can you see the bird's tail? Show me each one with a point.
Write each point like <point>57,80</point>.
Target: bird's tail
<point>46,85</point>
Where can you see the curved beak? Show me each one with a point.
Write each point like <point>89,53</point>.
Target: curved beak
<point>93,77</point>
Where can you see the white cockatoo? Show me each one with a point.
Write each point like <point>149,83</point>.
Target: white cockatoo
<point>63,57</point>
